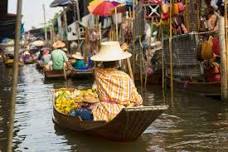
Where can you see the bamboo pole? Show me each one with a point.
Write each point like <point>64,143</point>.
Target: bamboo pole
<point>133,39</point>
<point>224,57</point>
<point>141,61</point>
<point>65,21</point>
<point>117,34</point>
<point>78,23</point>
<point>45,24</point>
<point>171,52</point>
<point>15,75</point>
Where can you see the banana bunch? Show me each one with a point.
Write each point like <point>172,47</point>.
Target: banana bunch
<point>67,100</point>
<point>64,102</point>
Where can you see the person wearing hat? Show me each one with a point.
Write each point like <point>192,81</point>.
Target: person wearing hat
<point>115,88</point>
<point>46,58</point>
<point>58,56</point>
<point>79,61</point>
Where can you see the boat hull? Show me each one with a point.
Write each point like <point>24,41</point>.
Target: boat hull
<point>54,74</point>
<point>128,125</point>
<point>203,88</point>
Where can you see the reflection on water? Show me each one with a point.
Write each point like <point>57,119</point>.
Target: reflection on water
<point>193,123</point>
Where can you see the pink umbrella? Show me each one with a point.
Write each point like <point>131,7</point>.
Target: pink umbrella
<point>105,8</point>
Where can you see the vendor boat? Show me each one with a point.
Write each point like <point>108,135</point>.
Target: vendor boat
<point>82,73</point>
<point>55,74</point>
<point>202,88</point>
<point>128,125</point>
<point>31,61</point>
<point>9,62</point>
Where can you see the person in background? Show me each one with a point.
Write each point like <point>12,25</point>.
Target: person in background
<point>46,58</point>
<point>79,62</point>
<point>58,56</point>
<point>115,88</point>
<point>212,21</point>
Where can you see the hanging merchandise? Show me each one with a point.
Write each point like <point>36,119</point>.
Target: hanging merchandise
<point>181,6</point>
<point>206,49</point>
<point>165,10</point>
<point>155,2</point>
<point>175,9</point>
<point>216,46</point>
<point>165,7</point>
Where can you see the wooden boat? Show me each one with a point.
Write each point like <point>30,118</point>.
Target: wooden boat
<point>29,61</point>
<point>54,74</point>
<point>9,62</point>
<point>202,88</point>
<point>128,125</point>
<point>82,73</point>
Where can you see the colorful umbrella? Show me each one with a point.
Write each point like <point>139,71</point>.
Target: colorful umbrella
<point>103,8</point>
<point>120,9</point>
<point>94,4</point>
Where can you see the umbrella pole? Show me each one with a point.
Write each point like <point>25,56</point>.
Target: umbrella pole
<point>15,76</point>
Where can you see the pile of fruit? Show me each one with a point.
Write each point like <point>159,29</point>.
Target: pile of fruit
<point>70,99</point>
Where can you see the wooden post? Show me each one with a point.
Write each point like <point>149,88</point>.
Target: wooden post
<point>78,23</point>
<point>117,34</point>
<point>65,21</point>
<point>15,75</point>
<point>171,52</point>
<point>224,57</point>
<point>45,28</point>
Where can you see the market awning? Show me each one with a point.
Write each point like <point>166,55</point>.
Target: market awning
<point>61,3</point>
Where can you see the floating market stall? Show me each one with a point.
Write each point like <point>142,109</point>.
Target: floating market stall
<point>195,59</point>
<point>128,125</point>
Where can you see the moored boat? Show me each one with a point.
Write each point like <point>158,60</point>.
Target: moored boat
<point>128,125</point>
<point>9,63</point>
<point>54,74</point>
<point>202,88</point>
<point>85,73</point>
<point>29,61</point>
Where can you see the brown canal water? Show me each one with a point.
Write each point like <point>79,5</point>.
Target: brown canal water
<point>193,123</point>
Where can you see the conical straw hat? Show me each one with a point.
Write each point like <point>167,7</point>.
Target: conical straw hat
<point>77,55</point>
<point>110,51</point>
<point>58,44</point>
